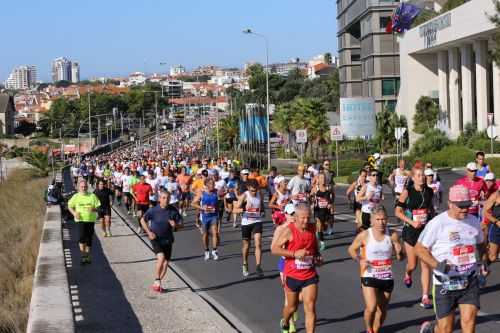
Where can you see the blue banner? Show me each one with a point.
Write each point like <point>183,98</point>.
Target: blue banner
<point>357,117</point>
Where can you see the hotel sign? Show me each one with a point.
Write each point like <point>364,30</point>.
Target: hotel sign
<point>429,30</point>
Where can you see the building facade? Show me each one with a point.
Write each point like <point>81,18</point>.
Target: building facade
<point>283,69</point>
<point>61,69</point>
<point>177,70</point>
<point>368,56</point>
<point>7,114</point>
<point>447,59</point>
<point>22,77</point>
<point>75,72</point>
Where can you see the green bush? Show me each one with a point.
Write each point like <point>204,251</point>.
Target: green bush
<point>450,156</point>
<point>433,140</point>
<point>494,163</point>
<point>347,167</point>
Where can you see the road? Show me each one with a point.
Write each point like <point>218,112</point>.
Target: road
<point>254,304</point>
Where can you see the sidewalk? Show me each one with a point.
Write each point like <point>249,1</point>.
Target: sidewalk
<point>113,295</point>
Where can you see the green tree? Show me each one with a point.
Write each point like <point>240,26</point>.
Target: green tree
<point>426,115</point>
<point>387,121</point>
<point>39,161</point>
<point>328,58</point>
<point>229,132</point>
<point>62,84</point>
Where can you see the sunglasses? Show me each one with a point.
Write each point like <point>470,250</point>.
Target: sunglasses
<point>374,175</point>
<point>463,205</point>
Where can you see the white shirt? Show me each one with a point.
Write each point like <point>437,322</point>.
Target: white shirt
<point>454,241</point>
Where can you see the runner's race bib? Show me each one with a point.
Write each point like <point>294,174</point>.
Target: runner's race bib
<point>464,257</point>
<point>301,197</point>
<point>381,269</point>
<point>420,215</point>
<point>322,203</point>
<point>306,263</point>
<point>253,213</point>
<point>209,209</point>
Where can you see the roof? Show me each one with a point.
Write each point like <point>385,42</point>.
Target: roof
<point>4,102</point>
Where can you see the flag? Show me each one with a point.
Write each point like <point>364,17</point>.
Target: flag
<point>403,17</point>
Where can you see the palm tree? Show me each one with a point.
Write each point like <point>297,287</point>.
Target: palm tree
<point>229,130</point>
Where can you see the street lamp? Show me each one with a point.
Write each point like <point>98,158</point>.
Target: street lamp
<point>156,117</point>
<point>251,32</point>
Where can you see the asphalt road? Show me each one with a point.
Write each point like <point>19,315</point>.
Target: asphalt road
<point>254,304</point>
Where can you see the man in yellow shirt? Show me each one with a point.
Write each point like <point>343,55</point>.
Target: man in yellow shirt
<point>83,206</point>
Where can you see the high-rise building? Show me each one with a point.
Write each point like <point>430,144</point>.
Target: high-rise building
<point>368,56</point>
<point>22,77</point>
<point>75,72</point>
<point>61,69</point>
<point>177,70</point>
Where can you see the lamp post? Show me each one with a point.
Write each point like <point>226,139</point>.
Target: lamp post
<point>162,64</point>
<point>250,32</point>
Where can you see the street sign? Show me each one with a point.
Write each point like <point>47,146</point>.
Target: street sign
<point>301,136</point>
<point>491,131</point>
<point>399,132</point>
<point>490,118</point>
<point>336,133</point>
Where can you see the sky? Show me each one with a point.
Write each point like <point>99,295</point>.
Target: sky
<point>117,37</point>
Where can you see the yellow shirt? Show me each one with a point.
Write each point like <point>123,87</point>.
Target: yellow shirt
<point>83,205</point>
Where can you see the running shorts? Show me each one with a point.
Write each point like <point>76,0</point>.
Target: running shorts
<point>220,208</point>
<point>86,232</point>
<point>356,206</point>
<point>103,211</point>
<point>185,196</point>
<point>410,235</point>
<point>162,245</point>
<point>383,285</point>
<point>296,286</point>
<point>365,220</point>
<point>323,215</point>
<point>118,188</point>
<point>246,230</point>
<point>207,222</point>
<point>445,302</point>
<point>494,234</point>
<point>142,208</point>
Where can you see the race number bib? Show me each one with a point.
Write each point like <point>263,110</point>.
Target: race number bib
<point>209,209</point>
<point>464,257</point>
<point>381,269</point>
<point>301,197</point>
<point>322,203</point>
<point>305,263</point>
<point>253,213</point>
<point>420,215</point>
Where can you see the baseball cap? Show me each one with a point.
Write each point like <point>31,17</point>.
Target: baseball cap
<point>472,166</point>
<point>290,209</point>
<point>429,172</point>
<point>376,156</point>
<point>489,176</point>
<point>279,179</point>
<point>459,195</point>
<point>245,172</point>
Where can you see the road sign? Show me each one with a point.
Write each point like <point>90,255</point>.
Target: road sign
<point>490,118</point>
<point>301,136</point>
<point>491,131</point>
<point>399,132</point>
<point>336,133</point>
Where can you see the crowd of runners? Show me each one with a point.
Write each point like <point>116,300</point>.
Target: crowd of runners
<point>453,242</point>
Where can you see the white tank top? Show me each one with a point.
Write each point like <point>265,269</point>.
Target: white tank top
<point>368,205</point>
<point>282,198</point>
<point>400,180</point>
<point>251,214</point>
<point>378,254</point>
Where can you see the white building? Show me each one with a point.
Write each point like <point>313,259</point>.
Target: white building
<point>177,70</point>
<point>61,69</point>
<point>136,78</point>
<point>75,72</point>
<point>447,58</point>
<point>22,77</point>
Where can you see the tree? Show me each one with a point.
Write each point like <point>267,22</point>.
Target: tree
<point>62,84</point>
<point>387,121</point>
<point>39,161</point>
<point>426,115</point>
<point>328,58</point>
<point>495,53</point>
<point>229,131</point>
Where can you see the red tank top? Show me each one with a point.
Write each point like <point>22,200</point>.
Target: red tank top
<point>296,268</point>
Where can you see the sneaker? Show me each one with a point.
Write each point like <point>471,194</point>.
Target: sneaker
<point>408,281</point>
<point>427,327</point>
<point>426,302</point>
<point>284,329</point>
<point>329,231</point>
<point>215,256</point>
<point>291,327</point>
<point>322,246</point>
<point>235,226</point>
<point>207,255</point>
<point>129,212</point>
<point>295,316</point>
<point>245,270</point>
<point>184,214</point>
<point>259,271</point>
<point>87,259</point>
<point>104,234</point>
<point>109,233</point>
<point>157,287</point>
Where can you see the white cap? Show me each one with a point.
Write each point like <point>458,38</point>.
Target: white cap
<point>290,209</point>
<point>376,156</point>
<point>279,179</point>
<point>472,166</point>
<point>489,176</point>
<point>429,172</point>
<point>245,172</point>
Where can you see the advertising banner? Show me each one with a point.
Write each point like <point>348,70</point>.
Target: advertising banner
<point>357,117</point>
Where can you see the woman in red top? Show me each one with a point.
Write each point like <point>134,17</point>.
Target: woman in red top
<point>301,253</point>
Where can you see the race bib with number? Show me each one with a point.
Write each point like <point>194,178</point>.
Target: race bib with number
<point>381,269</point>
<point>464,258</point>
<point>420,215</point>
<point>322,203</point>
<point>209,209</point>
<point>306,263</point>
<point>253,213</point>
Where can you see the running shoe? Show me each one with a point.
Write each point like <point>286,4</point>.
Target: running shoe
<point>408,281</point>
<point>158,288</point>
<point>291,327</point>
<point>295,316</point>
<point>284,329</point>
<point>207,255</point>
<point>215,256</point>
<point>259,271</point>
<point>109,233</point>
<point>322,245</point>
<point>245,270</point>
<point>426,302</point>
<point>129,212</point>
<point>235,226</point>
<point>427,327</point>
<point>184,214</point>
<point>105,234</point>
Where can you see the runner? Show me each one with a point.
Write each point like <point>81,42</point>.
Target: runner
<point>369,196</point>
<point>398,179</point>
<point>491,223</point>
<point>448,244</point>
<point>83,206</point>
<point>476,186</point>
<point>323,208</point>
<point>159,223</point>
<point>279,200</point>
<point>250,204</point>
<point>154,182</point>
<point>118,185</point>
<point>270,180</point>
<point>298,245</point>
<point>127,196</point>
<point>231,197</point>
<point>206,202</point>
<point>377,282</point>
<point>415,208</point>
<point>184,180</point>
<point>221,188</point>
<point>105,196</point>
<point>435,186</point>
<point>299,187</point>
<point>482,167</point>
<point>172,187</point>
<point>141,193</point>
<point>351,194</point>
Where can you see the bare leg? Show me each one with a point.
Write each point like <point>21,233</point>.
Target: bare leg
<point>258,247</point>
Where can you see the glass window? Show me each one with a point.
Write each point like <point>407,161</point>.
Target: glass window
<point>388,87</point>
<point>391,105</point>
<point>355,57</point>
<point>384,21</point>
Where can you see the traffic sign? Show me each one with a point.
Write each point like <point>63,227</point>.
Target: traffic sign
<point>399,132</point>
<point>336,133</point>
<point>491,131</point>
<point>301,136</point>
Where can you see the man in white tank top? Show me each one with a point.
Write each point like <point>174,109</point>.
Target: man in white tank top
<point>399,178</point>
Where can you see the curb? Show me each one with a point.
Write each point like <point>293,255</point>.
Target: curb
<point>50,306</point>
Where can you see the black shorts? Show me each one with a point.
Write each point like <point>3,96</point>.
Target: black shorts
<point>322,214</point>
<point>129,196</point>
<point>103,211</point>
<point>162,245</point>
<point>86,232</point>
<point>445,302</point>
<point>365,220</point>
<point>356,206</point>
<point>142,208</point>
<point>220,208</point>
<point>246,230</point>
<point>118,188</point>
<point>296,286</point>
<point>410,235</point>
<point>383,285</point>
<point>185,196</point>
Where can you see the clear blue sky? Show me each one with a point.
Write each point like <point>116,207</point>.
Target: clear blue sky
<point>112,37</point>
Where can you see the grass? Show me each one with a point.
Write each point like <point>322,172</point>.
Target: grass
<point>22,210</point>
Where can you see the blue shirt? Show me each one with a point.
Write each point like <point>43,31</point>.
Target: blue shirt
<point>160,221</point>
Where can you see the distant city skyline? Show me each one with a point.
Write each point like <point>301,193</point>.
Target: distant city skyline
<point>127,36</point>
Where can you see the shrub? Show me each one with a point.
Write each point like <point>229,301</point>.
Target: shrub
<point>347,167</point>
<point>426,115</point>
<point>434,140</point>
<point>450,156</point>
<point>494,163</point>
